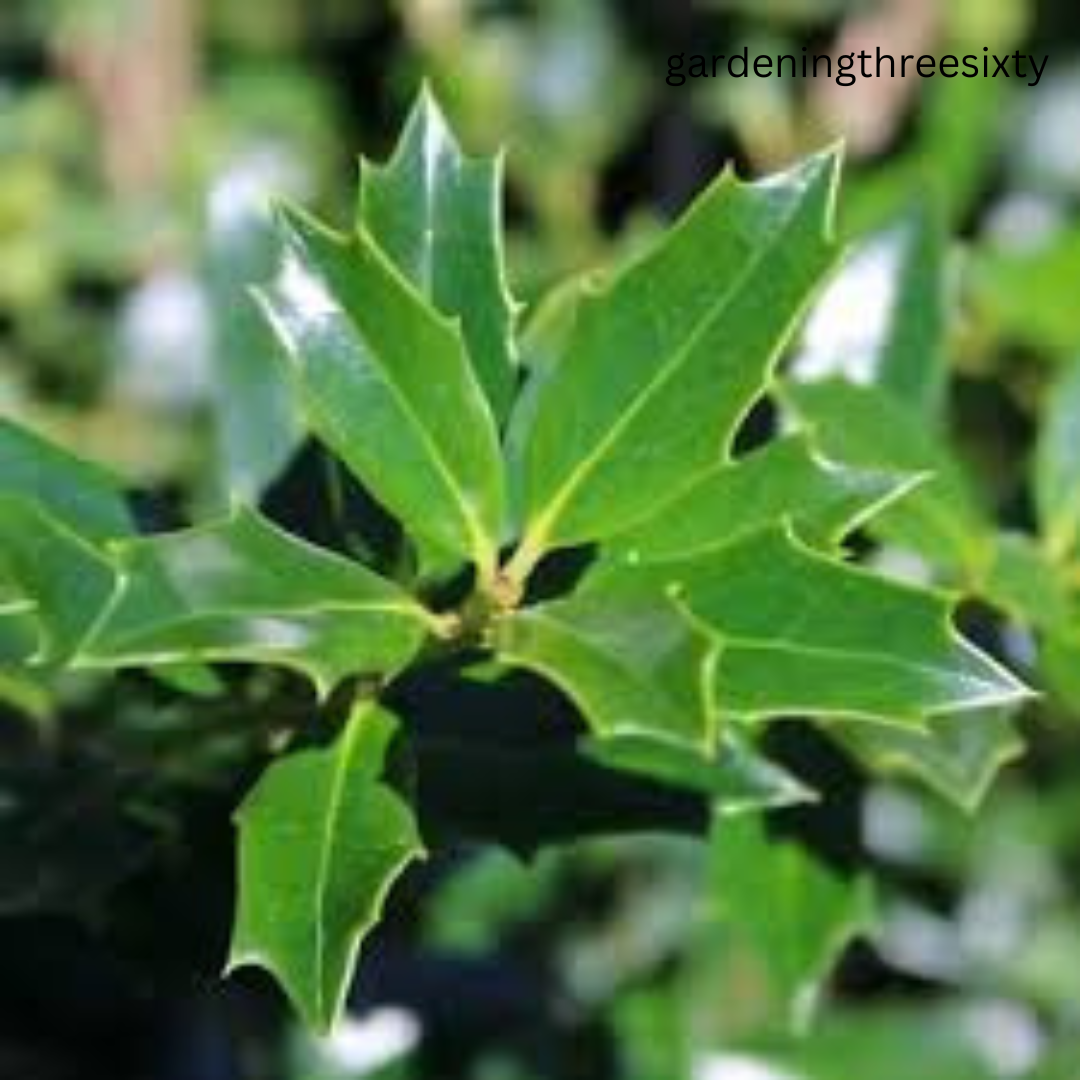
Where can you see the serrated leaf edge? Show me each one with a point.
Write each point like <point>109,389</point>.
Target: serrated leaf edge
<point>483,548</point>
<point>327,1012</point>
<point>535,542</point>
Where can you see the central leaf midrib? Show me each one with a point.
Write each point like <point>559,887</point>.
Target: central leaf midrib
<point>797,648</point>
<point>341,760</point>
<point>547,519</point>
<point>191,615</point>
<point>436,150</point>
<point>480,548</point>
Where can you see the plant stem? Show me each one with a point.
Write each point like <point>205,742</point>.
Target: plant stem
<point>522,563</point>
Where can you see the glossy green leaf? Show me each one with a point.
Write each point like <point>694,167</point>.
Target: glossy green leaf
<point>438,215</point>
<point>633,666</point>
<point>82,496</point>
<point>56,514</point>
<point>66,580</point>
<point>18,635</point>
<point>67,576</point>
<point>912,363</point>
<point>785,480</point>
<point>1057,471</point>
<point>794,916</point>
<point>543,344</point>
<point>735,777</point>
<point>385,381</point>
<point>321,841</point>
<point>22,691</point>
<point>801,632</point>
<point>242,590</point>
<point>193,680</point>
<point>866,427</point>
<point>662,364</point>
<point>547,332</point>
<point>255,418</point>
<point>21,687</point>
<point>957,757</point>
<point>882,320</point>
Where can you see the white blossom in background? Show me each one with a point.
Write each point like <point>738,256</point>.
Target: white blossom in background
<point>1005,1035</point>
<point>894,825</point>
<point>163,342</point>
<point>1020,645</point>
<point>740,1067</point>
<point>1049,150</point>
<point>847,325</point>
<point>919,942</point>
<point>244,189</point>
<point>364,1045</point>
<point>1002,908</point>
<point>565,73</point>
<point>1023,221</point>
<point>165,338</point>
<point>996,921</point>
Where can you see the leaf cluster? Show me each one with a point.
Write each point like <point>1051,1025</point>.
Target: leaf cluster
<point>715,594</point>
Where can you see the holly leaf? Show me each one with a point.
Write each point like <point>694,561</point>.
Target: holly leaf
<point>57,513</point>
<point>385,381</point>
<point>735,778</point>
<point>58,531</point>
<point>1057,468</point>
<point>63,582</point>
<point>866,427</point>
<point>257,429</point>
<point>321,841</point>
<point>75,493</point>
<point>882,320</point>
<point>437,214</point>
<point>662,364</point>
<point>956,757</point>
<point>18,633</point>
<point>242,590</point>
<point>632,665</point>
<point>791,914</point>
<point>547,332</point>
<point>21,687</point>
<point>542,344</point>
<point>801,632</point>
<point>787,479</point>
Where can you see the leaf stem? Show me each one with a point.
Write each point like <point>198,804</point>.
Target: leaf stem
<point>444,626</point>
<point>523,562</point>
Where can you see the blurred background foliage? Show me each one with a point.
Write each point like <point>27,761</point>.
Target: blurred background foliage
<point>140,142</point>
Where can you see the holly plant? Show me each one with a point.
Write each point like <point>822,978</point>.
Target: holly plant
<point>576,499</point>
